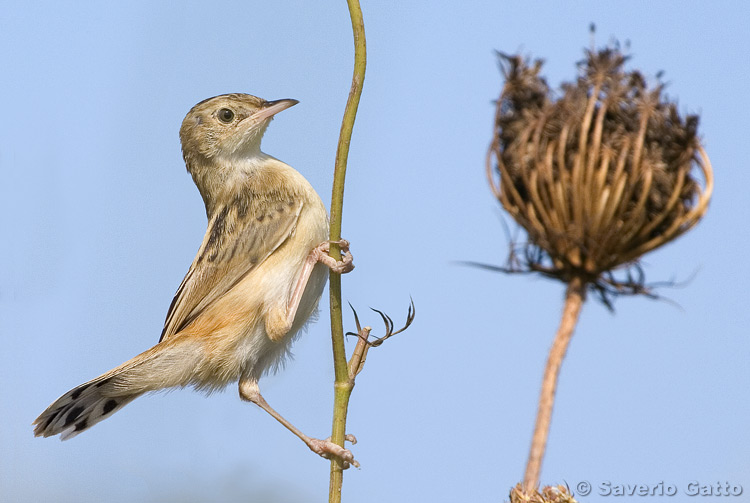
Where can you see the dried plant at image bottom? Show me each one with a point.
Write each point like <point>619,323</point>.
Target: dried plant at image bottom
<point>597,176</point>
<point>549,494</point>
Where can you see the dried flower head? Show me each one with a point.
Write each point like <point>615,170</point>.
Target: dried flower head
<point>549,494</point>
<point>597,176</point>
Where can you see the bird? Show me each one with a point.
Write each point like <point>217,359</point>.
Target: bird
<point>253,285</point>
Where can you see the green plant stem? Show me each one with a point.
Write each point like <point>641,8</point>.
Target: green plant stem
<point>343,384</point>
<point>574,298</point>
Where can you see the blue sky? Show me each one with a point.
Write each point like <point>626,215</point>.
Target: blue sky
<point>101,221</point>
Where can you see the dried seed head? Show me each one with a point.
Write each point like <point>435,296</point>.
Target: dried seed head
<point>599,175</point>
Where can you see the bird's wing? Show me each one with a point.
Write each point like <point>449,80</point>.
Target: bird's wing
<point>240,236</point>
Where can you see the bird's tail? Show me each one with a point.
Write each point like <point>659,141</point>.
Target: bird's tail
<point>163,366</point>
<point>80,409</point>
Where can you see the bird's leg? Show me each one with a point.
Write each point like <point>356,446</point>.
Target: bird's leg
<point>250,392</point>
<point>280,321</point>
<point>318,254</point>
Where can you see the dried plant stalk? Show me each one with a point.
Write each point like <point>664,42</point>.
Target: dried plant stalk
<point>597,177</point>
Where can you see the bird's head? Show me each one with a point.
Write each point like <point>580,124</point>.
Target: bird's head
<point>230,125</point>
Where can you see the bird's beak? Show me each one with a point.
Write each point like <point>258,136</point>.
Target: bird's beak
<point>271,108</point>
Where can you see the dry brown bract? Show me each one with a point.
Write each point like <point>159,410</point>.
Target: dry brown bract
<point>598,176</point>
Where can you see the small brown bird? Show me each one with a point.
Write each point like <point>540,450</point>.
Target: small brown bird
<point>257,277</point>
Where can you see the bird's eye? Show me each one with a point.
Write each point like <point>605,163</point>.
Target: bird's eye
<point>226,116</point>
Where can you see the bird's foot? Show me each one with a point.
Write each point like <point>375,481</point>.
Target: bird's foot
<point>327,449</point>
<point>346,264</point>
